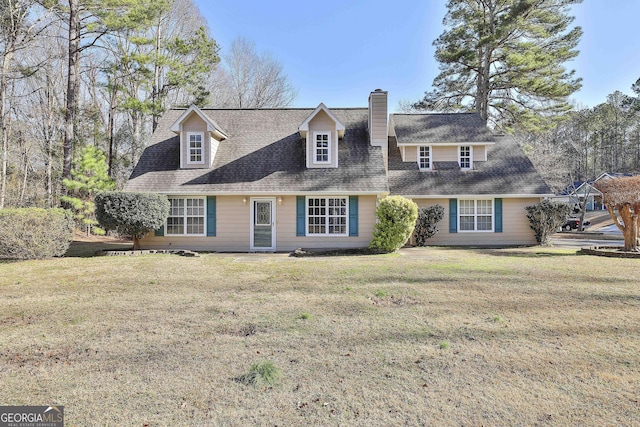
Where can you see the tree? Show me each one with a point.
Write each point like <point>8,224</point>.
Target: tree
<point>546,217</point>
<point>397,217</point>
<point>133,214</point>
<point>427,224</point>
<point>88,178</point>
<point>623,195</point>
<point>505,60</point>
<point>252,80</point>
<point>89,21</point>
<point>16,32</point>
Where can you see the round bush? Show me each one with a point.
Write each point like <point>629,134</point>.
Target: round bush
<point>396,220</point>
<point>34,233</point>
<point>133,214</point>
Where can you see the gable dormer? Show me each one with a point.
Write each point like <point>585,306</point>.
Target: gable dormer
<point>321,132</point>
<point>441,141</point>
<point>199,139</point>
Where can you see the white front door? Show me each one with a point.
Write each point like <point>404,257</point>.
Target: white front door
<point>263,224</point>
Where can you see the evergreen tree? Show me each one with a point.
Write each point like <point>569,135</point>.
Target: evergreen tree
<point>89,176</point>
<point>505,59</point>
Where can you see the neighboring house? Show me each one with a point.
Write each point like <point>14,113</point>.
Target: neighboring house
<point>578,192</point>
<point>581,191</point>
<point>281,179</point>
<point>483,181</point>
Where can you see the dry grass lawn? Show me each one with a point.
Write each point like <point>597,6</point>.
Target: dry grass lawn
<point>442,337</point>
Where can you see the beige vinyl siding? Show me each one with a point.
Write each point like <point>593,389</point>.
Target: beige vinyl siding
<point>194,123</point>
<point>479,153</point>
<point>287,239</point>
<point>515,225</point>
<point>233,229</point>
<point>445,154</point>
<point>411,154</point>
<point>321,122</point>
<point>378,124</point>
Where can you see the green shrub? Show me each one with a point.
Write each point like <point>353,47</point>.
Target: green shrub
<point>34,233</point>
<point>133,214</point>
<point>263,374</point>
<point>427,224</point>
<point>396,221</point>
<point>546,217</point>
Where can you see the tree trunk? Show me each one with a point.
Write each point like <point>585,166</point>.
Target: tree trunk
<point>4,129</point>
<point>136,243</point>
<point>72,88</point>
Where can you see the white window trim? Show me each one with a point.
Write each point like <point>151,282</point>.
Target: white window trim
<point>326,233</point>
<point>315,148</point>
<point>184,227</point>
<point>475,216</point>
<point>430,157</point>
<point>470,157</point>
<point>202,151</point>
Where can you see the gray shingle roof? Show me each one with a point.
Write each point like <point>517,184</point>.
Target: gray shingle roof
<point>507,171</point>
<point>440,128</point>
<point>264,153</point>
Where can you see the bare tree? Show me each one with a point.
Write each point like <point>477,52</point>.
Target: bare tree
<point>15,34</point>
<point>249,79</point>
<point>623,195</point>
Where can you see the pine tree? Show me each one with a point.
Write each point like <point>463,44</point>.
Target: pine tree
<point>89,176</point>
<point>505,59</point>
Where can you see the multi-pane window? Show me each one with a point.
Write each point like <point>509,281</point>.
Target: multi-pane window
<point>195,148</point>
<point>186,216</point>
<point>465,157</point>
<point>475,215</point>
<point>321,147</point>
<point>424,158</point>
<point>327,216</point>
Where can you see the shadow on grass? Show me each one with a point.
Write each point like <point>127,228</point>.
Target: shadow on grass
<point>514,253</point>
<point>88,249</point>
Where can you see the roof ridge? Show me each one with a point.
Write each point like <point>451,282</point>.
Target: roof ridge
<point>267,109</point>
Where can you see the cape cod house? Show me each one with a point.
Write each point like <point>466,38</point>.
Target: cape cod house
<point>280,179</point>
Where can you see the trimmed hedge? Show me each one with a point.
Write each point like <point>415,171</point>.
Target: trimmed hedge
<point>397,217</point>
<point>34,233</point>
<point>132,214</point>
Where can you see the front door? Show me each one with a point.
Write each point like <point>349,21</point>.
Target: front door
<point>263,224</point>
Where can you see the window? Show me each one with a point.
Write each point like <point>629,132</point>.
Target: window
<point>424,158</point>
<point>321,147</point>
<point>195,148</point>
<point>464,159</point>
<point>475,215</point>
<point>327,216</point>
<point>186,216</point>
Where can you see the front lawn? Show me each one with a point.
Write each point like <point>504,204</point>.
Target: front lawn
<point>441,337</point>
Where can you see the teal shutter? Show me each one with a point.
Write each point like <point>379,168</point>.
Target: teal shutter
<point>300,222</point>
<point>498,215</point>
<point>160,232</point>
<point>353,215</point>
<point>211,215</point>
<point>453,215</point>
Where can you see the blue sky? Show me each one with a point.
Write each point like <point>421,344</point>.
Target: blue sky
<point>337,51</point>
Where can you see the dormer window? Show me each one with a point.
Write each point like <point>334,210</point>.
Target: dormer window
<point>196,155</point>
<point>424,158</point>
<point>321,147</point>
<point>464,157</point>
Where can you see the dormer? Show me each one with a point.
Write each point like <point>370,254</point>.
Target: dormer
<point>321,132</point>
<point>441,141</point>
<point>199,139</point>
